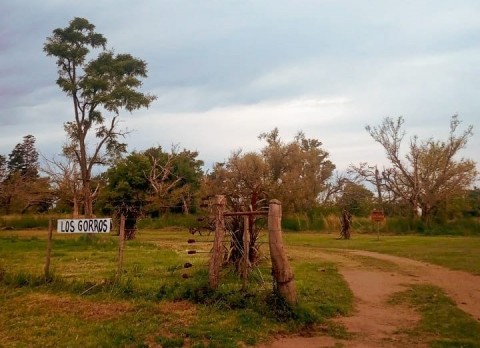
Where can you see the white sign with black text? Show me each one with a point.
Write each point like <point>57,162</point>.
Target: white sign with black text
<point>84,225</point>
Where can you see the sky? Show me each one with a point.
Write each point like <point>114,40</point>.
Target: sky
<point>226,71</point>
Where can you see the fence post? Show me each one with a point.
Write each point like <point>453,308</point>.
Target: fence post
<point>246,251</point>
<point>282,273</point>
<point>49,250</point>
<point>216,258</point>
<point>121,247</point>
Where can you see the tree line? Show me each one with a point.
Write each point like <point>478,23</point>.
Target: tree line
<point>424,178</point>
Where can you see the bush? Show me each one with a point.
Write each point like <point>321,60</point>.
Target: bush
<point>168,220</point>
<point>304,222</point>
<point>22,222</point>
<point>463,227</point>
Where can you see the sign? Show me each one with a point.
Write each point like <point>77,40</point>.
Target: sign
<point>84,225</point>
<point>377,215</point>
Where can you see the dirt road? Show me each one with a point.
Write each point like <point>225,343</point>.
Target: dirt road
<point>376,323</point>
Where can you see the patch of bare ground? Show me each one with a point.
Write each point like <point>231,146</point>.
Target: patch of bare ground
<point>185,312</point>
<point>84,309</point>
<point>375,322</point>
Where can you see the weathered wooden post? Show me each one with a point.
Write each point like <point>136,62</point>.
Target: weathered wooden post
<point>121,247</point>
<point>216,258</point>
<point>49,250</point>
<point>246,251</point>
<point>282,273</point>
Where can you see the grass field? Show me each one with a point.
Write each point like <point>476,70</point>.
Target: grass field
<point>159,303</point>
<point>455,252</point>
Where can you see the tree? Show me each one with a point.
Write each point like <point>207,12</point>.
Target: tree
<point>356,199</point>
<point>3,168</point>
<point>295,172</point>
<point>22,187</point>
<point>429,172</point>
<point>64,177</point>
<point>299,170</point>
<point>151,181</point>
<point>24,158</point>
<point>174,178</point>
<point>243,179</point>
<point>188,168</point>
<point>127,189</point>
<point>370,174</point>
<point>105,84</point>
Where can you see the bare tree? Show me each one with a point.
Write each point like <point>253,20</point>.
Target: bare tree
<point>370,174</point>
<point>65,177</point>
<point>161,176</point>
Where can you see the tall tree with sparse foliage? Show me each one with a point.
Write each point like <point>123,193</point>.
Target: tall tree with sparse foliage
<point>430,171</point>
<point>98,87</point>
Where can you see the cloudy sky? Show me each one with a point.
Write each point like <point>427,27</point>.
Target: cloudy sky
<point>225,71</point>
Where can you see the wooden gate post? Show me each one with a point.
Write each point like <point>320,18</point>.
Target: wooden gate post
<point>282,273</point>
<point>216,258</point>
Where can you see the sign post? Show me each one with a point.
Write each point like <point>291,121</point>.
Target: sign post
<point>377,216</point>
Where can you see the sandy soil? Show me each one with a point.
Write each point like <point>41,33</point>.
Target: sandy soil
<point>377,323</point>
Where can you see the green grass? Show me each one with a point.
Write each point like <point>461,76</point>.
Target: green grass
<point>442,323</point>
<point>153,304</point>
<point>83,305</point>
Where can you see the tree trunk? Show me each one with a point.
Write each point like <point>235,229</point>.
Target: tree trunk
<point>282,273</point>
<point>75,208</point>
<point>87,199</point>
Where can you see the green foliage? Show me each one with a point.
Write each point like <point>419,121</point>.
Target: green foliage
<point>313,220</point>
<point>303,222</point>
<point>152,182</point>
<point>356,199</point>
<point>24,158</point>
<point>460,226</point>
<point>127,186</point>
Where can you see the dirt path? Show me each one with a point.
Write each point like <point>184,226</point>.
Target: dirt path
<point>462,287</point>
<point>376,323</point>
